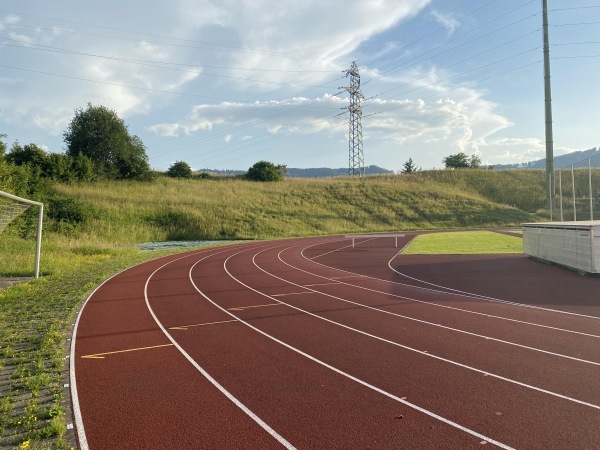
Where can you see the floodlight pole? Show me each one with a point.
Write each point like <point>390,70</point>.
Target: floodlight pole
<point>548,108</point>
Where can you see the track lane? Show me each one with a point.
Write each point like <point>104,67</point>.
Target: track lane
<point>309,403</point>
<point>444,435</point>
<point>307,418</point>
<point>145,398</point>
<point>575,344</point>
<point>477,304</point>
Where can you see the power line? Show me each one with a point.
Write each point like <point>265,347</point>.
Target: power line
<point>232,47</point>
<point>154,64</point>
<point>433,32</point>
<point>28,45</point>
<point>421,56</point>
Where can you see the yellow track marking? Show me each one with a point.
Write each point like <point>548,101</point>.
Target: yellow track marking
<point>240,308</point>
<point>102,355</point>
<point>292,293</point>
<point>185,327</point>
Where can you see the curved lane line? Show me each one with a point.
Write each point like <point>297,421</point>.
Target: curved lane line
<point>485,297</point>
<point>341,248</point>
<point>421,352</point>
<point>467,295</point>
<point>335,369</point>
<point>463,293</point>
<point>488,338</point>
<point>78,419</point>
<point>206,375</point>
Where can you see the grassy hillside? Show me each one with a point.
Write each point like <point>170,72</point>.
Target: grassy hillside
<point>224,209</point>
<point>98,221</point>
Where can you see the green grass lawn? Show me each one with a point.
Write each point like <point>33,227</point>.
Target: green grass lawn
<point>464,243</point>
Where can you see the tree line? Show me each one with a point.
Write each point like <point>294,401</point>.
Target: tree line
<point>98,146</point>
<point>458,161</point>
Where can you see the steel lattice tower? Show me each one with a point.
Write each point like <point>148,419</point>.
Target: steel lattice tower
<point>356,157</point>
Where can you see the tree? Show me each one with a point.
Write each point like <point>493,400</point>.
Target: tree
<point>180,169</point>
<point>98,133</point>
<point>266,171</point>
<point>59,167</point>
<point>2,145</point>
<point>475,162</point>
<point>28,154</point>
<point>462,161</point>
<point>410,167</point>
<point>458,161</point>
<point>84,168</point>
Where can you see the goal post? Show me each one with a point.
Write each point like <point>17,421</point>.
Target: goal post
<point>14,206</point>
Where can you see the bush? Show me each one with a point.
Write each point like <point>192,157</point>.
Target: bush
<point>266,171</point>
<point>180,169</point>
<point>64,209</point>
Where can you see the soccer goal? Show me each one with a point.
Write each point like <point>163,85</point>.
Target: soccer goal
<point>12,207</point>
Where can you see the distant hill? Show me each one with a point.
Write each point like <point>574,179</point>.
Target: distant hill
<point>559,161</point>
<point>318,172</point>
<point>324,172</point>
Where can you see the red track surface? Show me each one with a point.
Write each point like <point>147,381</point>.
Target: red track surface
<point>311,343</point>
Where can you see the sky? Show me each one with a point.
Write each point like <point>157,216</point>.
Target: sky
<point>222,84</point>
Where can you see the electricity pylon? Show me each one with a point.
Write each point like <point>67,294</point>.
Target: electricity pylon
<point>356,159</point>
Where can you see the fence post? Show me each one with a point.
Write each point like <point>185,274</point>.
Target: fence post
<point>560,193</point>
<point>573,182</point>
<point>591,192</point>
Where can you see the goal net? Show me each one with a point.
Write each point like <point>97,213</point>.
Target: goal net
<point>12,207</point>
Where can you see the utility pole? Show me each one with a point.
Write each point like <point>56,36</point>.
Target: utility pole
<point>356,159</point>
<point>548,109</point>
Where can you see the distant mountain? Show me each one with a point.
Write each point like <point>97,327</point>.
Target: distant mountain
<point>319,172</point>
<point>575,158</point>
<point>324,172</point>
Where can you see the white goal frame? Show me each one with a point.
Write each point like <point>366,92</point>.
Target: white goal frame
<point>38,246</point>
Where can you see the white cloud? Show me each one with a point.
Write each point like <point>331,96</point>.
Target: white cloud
<point>165,129</point>
<point>10,19</point>
<point>446,20</point>
<point>292,35</point>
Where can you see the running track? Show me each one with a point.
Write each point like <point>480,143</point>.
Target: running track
<point>313,344</point>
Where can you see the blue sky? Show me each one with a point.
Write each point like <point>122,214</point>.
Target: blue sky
<point>224,83</point>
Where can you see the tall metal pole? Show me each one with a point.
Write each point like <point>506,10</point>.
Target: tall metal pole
<point>548,108</point>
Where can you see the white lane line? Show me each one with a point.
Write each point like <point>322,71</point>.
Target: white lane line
<point>462,293</point>
<point>81,435</point>
<point>338,249</point>
<point>206,375</point>
<point>433,303</point>
<point>469,333</point>
<point>485,297</point>
<point>437,304</point>
<point>421,352</point>
<point>338,371</point>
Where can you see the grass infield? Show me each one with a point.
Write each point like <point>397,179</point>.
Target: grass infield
<point>464,243</point>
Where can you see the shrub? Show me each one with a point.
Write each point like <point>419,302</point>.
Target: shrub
<point>180,169</point>
<point>266,171</point>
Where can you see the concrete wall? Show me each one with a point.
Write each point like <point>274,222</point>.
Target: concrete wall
<point>572,244</point>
